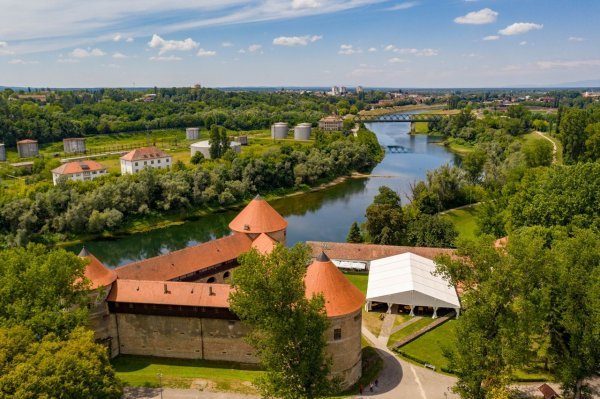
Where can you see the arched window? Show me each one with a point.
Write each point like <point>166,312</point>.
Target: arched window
<point>226,275</point>
<point>211,280</point>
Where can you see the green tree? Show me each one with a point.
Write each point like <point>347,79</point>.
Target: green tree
<point>215,142</point>
<point>42,289</point>
<point>287,328</point>
<point>385,218</point>
<point>592,142</point>
<point>430,231</point>
<point>572,133</point>
<point>74,368</point>
<point>472,164</point>
<point>538,153</point>
<point>197,158</point>
<point>354,235</point>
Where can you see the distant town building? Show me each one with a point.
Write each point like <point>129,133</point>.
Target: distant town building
<point>148,98</point>
<point>83,170</point>
<point>335,91</point>
<point>27,148</point>
<point>74,145</point>
<point>145,157</point>
<point>331,123</point>
<point>359,89</point>
<point>2,152</point>
<point>591,94</point>
<point>343,90</point>
<point>203,147</point>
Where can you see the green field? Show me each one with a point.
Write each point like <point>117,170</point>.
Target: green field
<point>429,347</point>
<point>411,328</point>
<point>359,280</point>
<point>464,220</point>
<point>529,137</point>
<point>182,373</point>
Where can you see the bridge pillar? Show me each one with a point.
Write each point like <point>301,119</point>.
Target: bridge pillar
<point>413,128</point>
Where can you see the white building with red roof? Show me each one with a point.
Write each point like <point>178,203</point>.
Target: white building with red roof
<point>145,157</point>
<point>83,170</point>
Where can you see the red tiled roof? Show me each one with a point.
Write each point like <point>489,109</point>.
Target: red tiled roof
<point>368,252</point>
<point>70,168</point>
<point>96,272</point>
<point>144,153</point>
<point>187,260</point>
<point>264,244</point>
<point>26,141</point>
<point>501,242</point>
<point>170,293</point>
<point>258,217</point>
<point>341,296</point>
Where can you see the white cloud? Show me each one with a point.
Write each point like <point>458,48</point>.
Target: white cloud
<point>205,53</point>
<point>22,62</point>
<point>491,37</point>
<point>302,4</point>
<point>523,43</point>
<point>165,46</point>
<point>295,40</point>
<point>226,44</point>
<point>576,39</point>
<point>372,49</point>
<point>403,6</point>
<point>254,48</point>
<point>118,55</point>
<point>119,37</point>
<point>4,49</point>
<point>83,53</point>
<point>67,61</point>
<point>483,16</point>
<point>519,28</point>
<point>425,52</point>
<point>165,58</point>
<point>111,66</point>
<point>364,72</point>
<point>395,60</point>
<point>241,51</point>
<point>348,49</point>
<point>568,64</point>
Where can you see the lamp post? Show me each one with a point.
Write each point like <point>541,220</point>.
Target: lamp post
<point>159,376</point>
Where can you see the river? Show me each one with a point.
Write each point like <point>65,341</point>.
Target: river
<point>324,215</point>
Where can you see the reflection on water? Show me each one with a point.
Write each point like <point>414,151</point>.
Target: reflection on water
<point>317,216</point>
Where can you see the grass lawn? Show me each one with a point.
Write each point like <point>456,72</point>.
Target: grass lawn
<point>359,280</point>
<point>401,318</point>
<point>181,373</point>
<point>429,347</point>
<point>411,328</point>
<point>464,220</point>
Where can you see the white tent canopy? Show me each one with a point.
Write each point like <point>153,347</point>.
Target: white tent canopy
<point>408,279</point>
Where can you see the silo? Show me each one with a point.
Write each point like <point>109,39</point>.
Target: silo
<point>27,148</point>
<point>74,145</point>
<point>192,133</point>
<point>202,147</point>
<point>279,130</point>
<point>302,131</point>
<point>2,152</point>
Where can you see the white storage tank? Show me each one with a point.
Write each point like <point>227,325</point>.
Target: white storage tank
<point>204,148</point>
<point>192,133</point>
<point>2,152</point>
<point>74,145</point>
<point>279,130</point>
<point>302,131</point>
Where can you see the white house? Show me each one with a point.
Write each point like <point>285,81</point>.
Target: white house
<point>79,171</point>
<point>145,157</point>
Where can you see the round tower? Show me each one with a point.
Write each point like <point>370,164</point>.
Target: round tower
<point>343,304</point>
<point>259,217</point>
<point>101,280</point>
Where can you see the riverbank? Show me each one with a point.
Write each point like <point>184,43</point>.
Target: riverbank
<point>157,222</point>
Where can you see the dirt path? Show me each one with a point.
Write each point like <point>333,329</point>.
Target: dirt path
<point>554,147</point>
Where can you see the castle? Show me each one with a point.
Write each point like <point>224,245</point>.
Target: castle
<point>176,305</point>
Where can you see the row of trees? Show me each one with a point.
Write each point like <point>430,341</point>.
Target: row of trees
<point>45,352</point>
<point>579,132</point>
<point>53,212</point>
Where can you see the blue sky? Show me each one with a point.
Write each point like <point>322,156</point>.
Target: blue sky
<point>422,43</point>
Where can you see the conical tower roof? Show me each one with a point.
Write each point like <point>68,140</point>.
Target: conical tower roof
<point>258,217</point>
<point>95,271</point>
<point>341,296</point>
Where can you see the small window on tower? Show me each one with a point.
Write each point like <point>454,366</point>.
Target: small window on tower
<point>337,334</point>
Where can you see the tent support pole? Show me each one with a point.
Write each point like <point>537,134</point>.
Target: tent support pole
<point>412,311</point>
<point>389,309</point>
<point>434,316</point>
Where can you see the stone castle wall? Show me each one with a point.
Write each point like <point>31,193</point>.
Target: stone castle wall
<point>346,352</point>
<point>182,337</point>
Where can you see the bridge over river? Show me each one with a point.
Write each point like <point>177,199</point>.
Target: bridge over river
<point>406,118</point>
